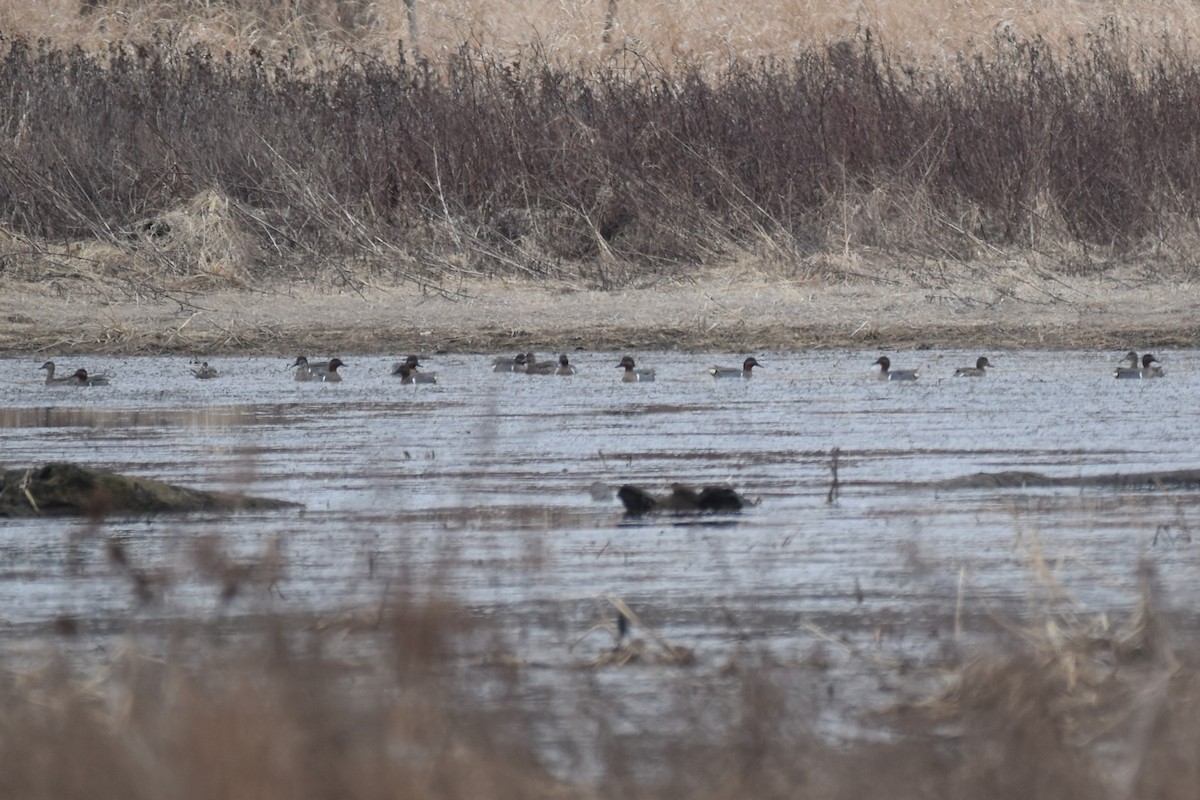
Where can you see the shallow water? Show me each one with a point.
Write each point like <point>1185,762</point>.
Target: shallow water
<point>483,487</point>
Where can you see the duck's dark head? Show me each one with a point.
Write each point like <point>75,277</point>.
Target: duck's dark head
<point>300,361</point>
<point>720,500</point>
<point>563,361</point>
<point>627,363</point>
<point>635,500</point>
<point>80,375</point>
<point>335,363</point>
<point>982,362</point>
<point>48,365</point>
<point>412,361</point>
<point>884,362</point>
<point>520,359</point>
<point>750,363</point>
<point>1149,359</point>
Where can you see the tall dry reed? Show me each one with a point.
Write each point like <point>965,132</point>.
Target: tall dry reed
<point>484,165</point>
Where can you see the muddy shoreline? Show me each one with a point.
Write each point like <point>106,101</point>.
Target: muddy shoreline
<point>737,312</point>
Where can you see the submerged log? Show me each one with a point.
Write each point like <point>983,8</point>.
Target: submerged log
<point>60,489</point>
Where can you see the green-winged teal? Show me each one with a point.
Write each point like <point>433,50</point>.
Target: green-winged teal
<point>682,500</point>
<point>976,371</point>
<point>514,364</point>
<point>84,379</point>
<point>330,375</point>
<point>634,375</point>
<point>535,367</point>
<point>1128,367</point>
<point>886,373</point>
<point>412,363</point>
<point>204,371</point>
<point>564,366</point>
<point>63,380</point>
<point>410,375</point>
<point>306,371</point>
<point>734,372</point>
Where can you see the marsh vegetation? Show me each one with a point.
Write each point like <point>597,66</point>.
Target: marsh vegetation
<point>158,146</point>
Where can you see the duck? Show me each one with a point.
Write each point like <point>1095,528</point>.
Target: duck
<point>331,375</point>
<point>81,378</point>
<point>734,372</point>
<point>535,367</point>
<point>1151,368</point>
<point>976,371</point>
<point>633,375</point>
<point>1128,367</point>
<point>514,364</point>
<point>62,380</point>
<point>683,499</point>
<point>886,373</point>
<point>564,366</point>
<point>412,363</point>
<point>204,371</point>
<point>409,375</point>
<point>306,371</point>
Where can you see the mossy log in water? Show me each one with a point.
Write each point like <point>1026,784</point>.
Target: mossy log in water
<point>60,489</point>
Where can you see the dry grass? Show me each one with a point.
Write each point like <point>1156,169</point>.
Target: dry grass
<point>386,703</point>
<point>177,169</point>
<point>706,32</point>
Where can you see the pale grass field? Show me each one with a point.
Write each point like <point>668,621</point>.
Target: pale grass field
<point>705,32</point>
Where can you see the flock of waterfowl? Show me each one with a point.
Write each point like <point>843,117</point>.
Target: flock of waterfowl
<point>1129,367</point>
<point>409,371</point>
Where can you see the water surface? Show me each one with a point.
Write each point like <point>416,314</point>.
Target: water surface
<point>488,487</point>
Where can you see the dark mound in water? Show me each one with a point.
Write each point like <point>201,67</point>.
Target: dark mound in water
<point>681,500</point>
<point>1167,479</point>
<point>68,490</point>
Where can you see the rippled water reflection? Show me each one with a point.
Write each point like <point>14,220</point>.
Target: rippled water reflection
<point>484,484</point>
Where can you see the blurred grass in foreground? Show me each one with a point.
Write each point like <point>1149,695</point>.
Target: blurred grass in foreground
<point>1066,705</point>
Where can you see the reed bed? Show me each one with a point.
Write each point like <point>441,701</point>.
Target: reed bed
<point>168,162</point>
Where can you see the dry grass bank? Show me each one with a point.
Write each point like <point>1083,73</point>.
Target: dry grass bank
<point>1008,306</point>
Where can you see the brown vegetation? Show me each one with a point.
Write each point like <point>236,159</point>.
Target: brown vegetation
<point>388,705</point>
<point>161,163</point>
